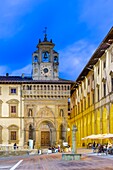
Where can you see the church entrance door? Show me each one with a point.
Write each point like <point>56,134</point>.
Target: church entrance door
<point>45,138</point>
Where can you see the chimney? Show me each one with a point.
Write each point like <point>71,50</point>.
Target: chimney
<point>7,74</point>
<point>22,75</point>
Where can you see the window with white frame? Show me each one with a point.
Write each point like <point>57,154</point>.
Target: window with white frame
<point>92,77</point>
<point>88,99</point>
<point>98,93</point>
<point>13,134</point>
<point>84,103</point>
<point>93,97</point>
<point>13,107</point>
<point>104,64</point>
<point>13,110</point>
<point>104,89</point>
<point>98,70</point>
<point>88,82</point>
<point>13,90</point>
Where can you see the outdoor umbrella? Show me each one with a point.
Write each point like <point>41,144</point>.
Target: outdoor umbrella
<point>93,136</point>
<point>109,135</point>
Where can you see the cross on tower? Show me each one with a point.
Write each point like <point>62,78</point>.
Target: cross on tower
<point>45,34</point>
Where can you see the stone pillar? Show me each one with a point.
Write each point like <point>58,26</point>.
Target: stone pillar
<point>101,126</point>
<point>74,129</point>
<point>37,142</point>
<point>108,117</point>
<point>57,135</point>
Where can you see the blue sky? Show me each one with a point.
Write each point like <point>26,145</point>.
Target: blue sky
<point>77,27</point>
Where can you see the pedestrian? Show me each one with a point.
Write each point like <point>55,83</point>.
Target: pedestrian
<point>94,146</point>
<point>15,146</point>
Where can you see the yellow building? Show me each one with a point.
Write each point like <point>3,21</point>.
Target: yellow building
<point>92,94</point>
<point>36,107</point>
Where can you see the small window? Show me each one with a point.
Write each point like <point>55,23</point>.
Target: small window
<point>45,56</point>
<point>55,59</point>
<point>84,103</point>
<point>88,100</point>
<point>35,59</point>
<point>104,64</point>
<point>13,90</point>
<point>88,82</point>
<point>92,77</point>
<point>104,88</point>
<point>13,109</point>
<point>98,71</point>
<point>13,135</point>
<point>112,84</point>
<point>98,92</point>
<point>78,91</point>
<point>93,97</point>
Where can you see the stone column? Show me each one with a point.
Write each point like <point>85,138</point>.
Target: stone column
<point>108,117</point>
<point>74,129</point>
<point>37,142</point>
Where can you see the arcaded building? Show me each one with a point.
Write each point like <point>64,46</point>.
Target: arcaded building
<point>92,94</point>
<point>35,107</point>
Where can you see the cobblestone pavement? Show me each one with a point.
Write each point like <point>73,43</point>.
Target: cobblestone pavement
<point>89,161</point>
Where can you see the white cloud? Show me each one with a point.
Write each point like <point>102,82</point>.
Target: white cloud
<point>72,61</point>
<point>26,70</point>
<point>74,58</point>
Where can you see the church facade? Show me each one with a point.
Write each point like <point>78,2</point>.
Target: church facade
<point>35,108</point>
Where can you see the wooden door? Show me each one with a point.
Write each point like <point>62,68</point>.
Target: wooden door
<point>45,138</point>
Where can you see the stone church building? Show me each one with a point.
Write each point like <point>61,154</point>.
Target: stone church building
<point>35,107</point>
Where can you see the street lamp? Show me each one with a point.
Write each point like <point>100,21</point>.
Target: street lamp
<point>74,130</point>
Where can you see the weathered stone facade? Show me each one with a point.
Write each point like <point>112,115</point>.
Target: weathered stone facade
<point>35,107</point>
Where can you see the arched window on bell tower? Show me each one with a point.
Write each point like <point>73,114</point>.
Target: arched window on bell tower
<point>55,59</point>
<point>45,56</point>
<point>35,59</point>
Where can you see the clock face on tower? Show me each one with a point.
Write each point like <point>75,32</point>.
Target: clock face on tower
<point>45,71</point>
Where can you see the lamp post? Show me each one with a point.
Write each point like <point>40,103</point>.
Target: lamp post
<point>74,130</point>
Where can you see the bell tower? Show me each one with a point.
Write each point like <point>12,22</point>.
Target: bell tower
<point>45,61</point>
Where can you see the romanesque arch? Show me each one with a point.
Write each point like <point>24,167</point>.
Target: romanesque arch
<point>46,133</point>
<point>45,112</point>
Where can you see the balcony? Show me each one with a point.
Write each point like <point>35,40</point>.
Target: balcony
<point>45,93</point>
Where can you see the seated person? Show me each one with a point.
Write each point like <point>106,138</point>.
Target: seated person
<point>100,149</point>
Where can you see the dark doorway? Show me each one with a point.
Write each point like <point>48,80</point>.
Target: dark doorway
<point>45,138</point>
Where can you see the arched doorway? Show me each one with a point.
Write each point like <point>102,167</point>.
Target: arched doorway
<point>47,134</point>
